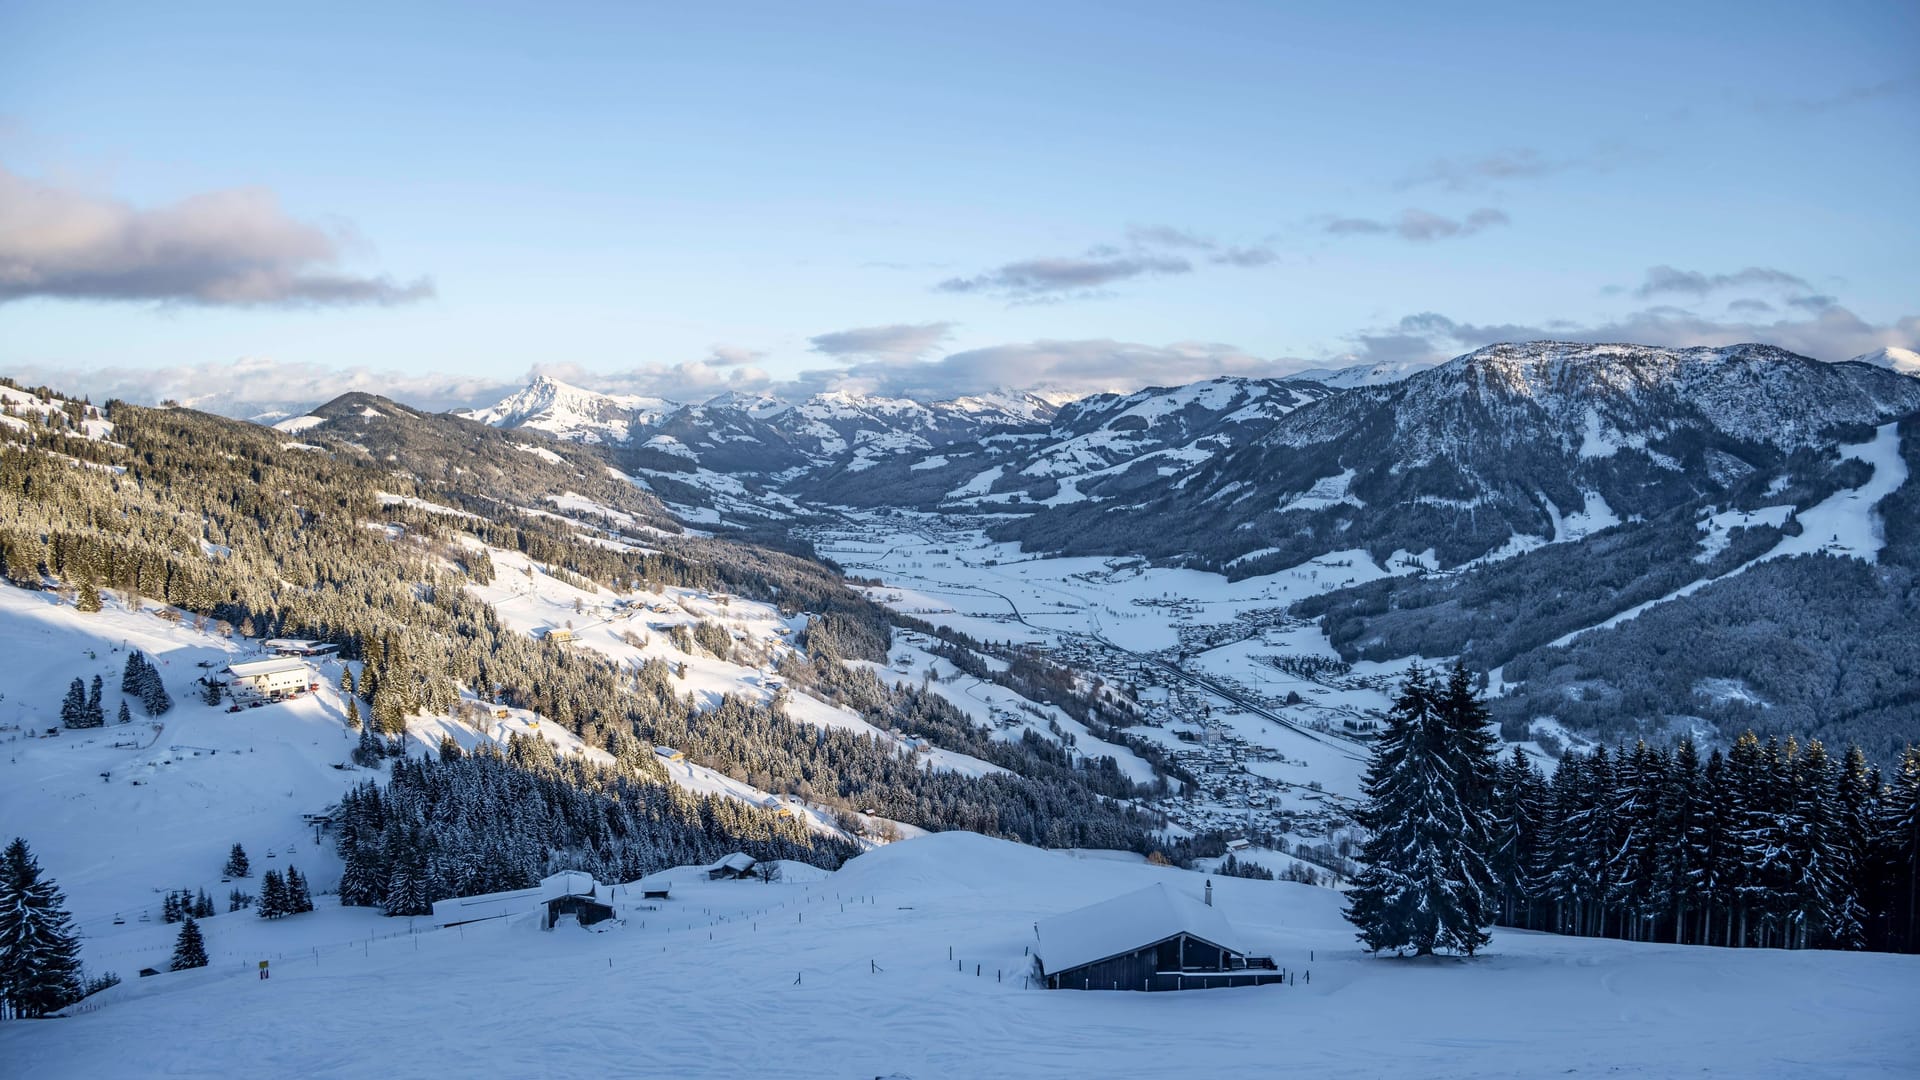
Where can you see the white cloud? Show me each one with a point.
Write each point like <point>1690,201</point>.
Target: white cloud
<point>226,248</point>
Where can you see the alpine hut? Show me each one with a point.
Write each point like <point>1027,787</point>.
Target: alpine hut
<point>1155,939</point>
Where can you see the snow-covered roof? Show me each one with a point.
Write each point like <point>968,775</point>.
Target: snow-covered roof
<point>570,883</point>
<point>253,669</point>
<point>738,862</point>
<point>1129,922</point>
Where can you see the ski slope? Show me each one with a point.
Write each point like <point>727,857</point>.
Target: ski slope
<point>848,975</point>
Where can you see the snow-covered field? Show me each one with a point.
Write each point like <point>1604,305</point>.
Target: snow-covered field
<point>954,576</point>
<point>849,976</point>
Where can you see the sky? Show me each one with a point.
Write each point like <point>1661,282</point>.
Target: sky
<point>262,205</point>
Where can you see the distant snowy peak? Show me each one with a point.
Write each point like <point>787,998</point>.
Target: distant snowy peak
<point>1894,358</point>
<point>1359,375</point>
<point>574,413</point>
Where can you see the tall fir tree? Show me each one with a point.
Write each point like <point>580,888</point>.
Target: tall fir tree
<point>73,708</point>
<point>1675,836</point>
<point>237,865</point>
<point>96,710</point>
<point>299,897</point>
<point>273,895</point>
<point>39,951</point>
<point>1856,791</point>
<point>1424,872</point>
<point>189,949</point>
<point>1518,802</point>
<point>1901,845</point>
<point>130,673</point>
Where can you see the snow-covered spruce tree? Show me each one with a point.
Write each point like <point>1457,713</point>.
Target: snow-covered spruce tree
<point>130,674</point>
<point>237,864</point>
<point>96,712</point>
<point>125,716</point>
<point>73,708</point>
<point>299,897</point>
<point>39,952</point>
<point>1425,876</point>
<point>189,949</point>
<point>273,895</point>
<point>1901,843</point>
<point>1519,798</point>
<point>153,693</point>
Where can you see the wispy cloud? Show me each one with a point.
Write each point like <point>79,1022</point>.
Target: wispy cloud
<point>226,248</point>
<point>1823,103</point>
<point>1521,163</point>
<point>1031,278</point>
<point>1147,251</point>
<point>899,341</point>
<point>1420,226</point>
<point>253,385</point>
<point>1667,280</point>
<point>1077,367</point>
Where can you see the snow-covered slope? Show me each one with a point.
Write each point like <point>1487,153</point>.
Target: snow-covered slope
<point>1904,361</point>
<point>75,417</point>
<point>1357,375</point>
<point>915,961</point>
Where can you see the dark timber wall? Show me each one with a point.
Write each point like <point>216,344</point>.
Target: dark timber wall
<point>1178,963</point>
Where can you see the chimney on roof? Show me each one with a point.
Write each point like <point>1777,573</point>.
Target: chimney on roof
<point>1209,892</point>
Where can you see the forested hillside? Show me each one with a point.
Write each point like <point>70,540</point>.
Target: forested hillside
<point>365,532</point>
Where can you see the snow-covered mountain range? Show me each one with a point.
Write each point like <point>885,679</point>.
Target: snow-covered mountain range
<point>783,434</point>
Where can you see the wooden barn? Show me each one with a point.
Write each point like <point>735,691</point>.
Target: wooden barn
<point>736,865</point>
<point>570,892</point>
<point>1155,939</point>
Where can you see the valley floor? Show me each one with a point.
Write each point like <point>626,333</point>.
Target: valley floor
<point>744,979</point>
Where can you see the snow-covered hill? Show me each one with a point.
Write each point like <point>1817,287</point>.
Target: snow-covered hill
<point>1904,361</point>
<point>915,961</point>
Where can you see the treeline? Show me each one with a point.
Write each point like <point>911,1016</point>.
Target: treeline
<point>492,820</point>
<point>1772,844</point>
<point>1818,646</point>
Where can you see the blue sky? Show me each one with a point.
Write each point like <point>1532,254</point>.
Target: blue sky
<point>932,199</point>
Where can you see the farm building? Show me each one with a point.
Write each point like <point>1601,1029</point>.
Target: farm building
<point>669,753</point>
<point>655,886</point>
<point>736,865</point>
<point>1154,939</point>
<point>298,647</point>
<point>273,678</point>
<point>570,892</point>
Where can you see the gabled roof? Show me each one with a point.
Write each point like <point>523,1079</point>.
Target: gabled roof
<point>568,883</point>
<point>738,862</point>
<point>1125,923</point>
<point>254,668</point>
